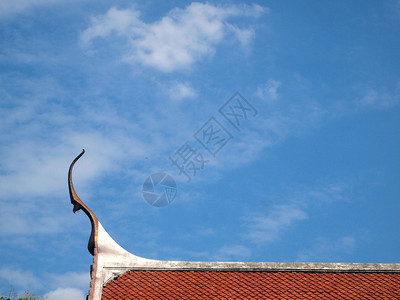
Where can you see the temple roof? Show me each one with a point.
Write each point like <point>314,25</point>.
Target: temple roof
<point>118,274</point>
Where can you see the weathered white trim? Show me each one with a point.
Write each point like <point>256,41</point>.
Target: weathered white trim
<point>160,265</point>
<point>110,254</point>
<point>113,261</point>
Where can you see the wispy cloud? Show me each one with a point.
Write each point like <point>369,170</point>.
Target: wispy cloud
<point>181,90</point>
<point>40,138</point>
<point>372,98</point>
<point>269,90</point>
<point>267,228</point>
<point>66,294</point>
<point>8,7</point>
<point>69,280</point>
<point>28,218</point>
<point>368,97</point>
<point>19,278</point>
<point>118,21</point>
<point>61,95</point>
<point>179,39</point>
<point>324,195</point>
<point>232,253</point>
<point>73,282</point>
<point>276,122</point>
<point>328,250</point>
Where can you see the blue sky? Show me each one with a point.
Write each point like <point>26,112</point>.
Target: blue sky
<point>312,177</point>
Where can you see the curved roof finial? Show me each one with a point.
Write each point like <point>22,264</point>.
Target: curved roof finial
<point>78,204</point>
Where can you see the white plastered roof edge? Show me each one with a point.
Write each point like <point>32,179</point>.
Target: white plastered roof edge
<point>113,261</point>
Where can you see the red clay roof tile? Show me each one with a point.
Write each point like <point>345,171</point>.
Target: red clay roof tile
<point>252,285</point>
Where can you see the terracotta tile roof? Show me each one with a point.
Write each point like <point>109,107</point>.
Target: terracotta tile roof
<point>252,285</point>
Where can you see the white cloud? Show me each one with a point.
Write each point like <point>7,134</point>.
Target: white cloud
<point>114,21</point>
<point>66,294</point>
<point>19,278</point>
<point>40,139</point>
<point>41,167</point>
<point>177,40</point>
<point>244,36</point>
<point>181,90</point>
<point>69,285</point>
<point>269,90</point>
<point>263,229</point>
